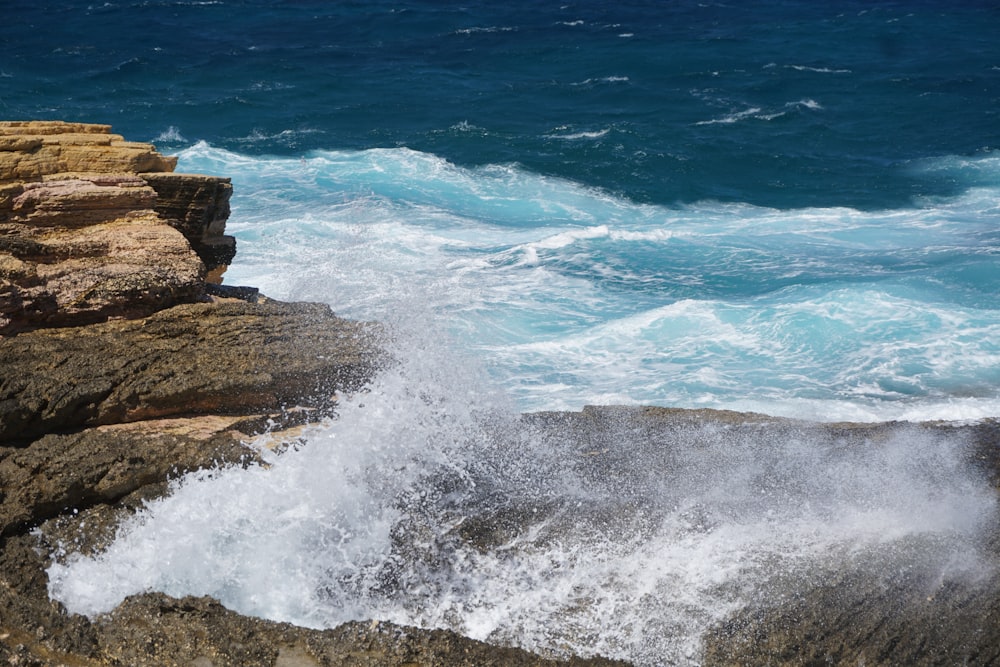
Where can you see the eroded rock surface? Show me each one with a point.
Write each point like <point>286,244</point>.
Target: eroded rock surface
<point>94,227</point>
<point>222,358</point>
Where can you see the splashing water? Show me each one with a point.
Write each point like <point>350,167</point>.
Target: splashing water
<point>430,502</point>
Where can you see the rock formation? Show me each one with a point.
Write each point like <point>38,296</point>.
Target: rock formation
<point>93,226</point>
<point>122,365</point>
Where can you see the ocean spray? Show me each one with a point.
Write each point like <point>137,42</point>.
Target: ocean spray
<point>432,501</point>
<point>618,531</point>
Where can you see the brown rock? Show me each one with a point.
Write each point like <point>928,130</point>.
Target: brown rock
<point>198,207</point>
<point>51,476</point>
<point>33,629</point>
<point>80,241</point>
<point>46,127</point>
<point>192,631</point>
<point>908,615</point>
<point>129,267</point>
<point>225,358</point>
<point>77,202</point>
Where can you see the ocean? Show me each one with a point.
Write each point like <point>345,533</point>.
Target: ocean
<point>788,207</point>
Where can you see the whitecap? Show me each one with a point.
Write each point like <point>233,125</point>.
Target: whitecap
<point>820,70</point>
<point>807,103</point>
<point>604,79</point>
<point>171,134</point>
<point>734,117</point>
<point>487,29</point>
<point>580,135</point>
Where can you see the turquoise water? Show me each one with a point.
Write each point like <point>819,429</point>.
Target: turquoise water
<point>787,207</point>
<point>571,295</point>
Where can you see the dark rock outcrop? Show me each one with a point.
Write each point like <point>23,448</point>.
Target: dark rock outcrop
<point>198,207</point>
<point>205,358</point>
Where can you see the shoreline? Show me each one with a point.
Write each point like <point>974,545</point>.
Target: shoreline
<point>126,367</point>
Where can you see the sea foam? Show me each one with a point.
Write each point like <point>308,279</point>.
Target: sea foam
<point>824,313</point>
<point>430,503</point>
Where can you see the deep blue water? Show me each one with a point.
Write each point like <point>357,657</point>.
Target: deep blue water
<point>784,104</point>
<point>782,206</point>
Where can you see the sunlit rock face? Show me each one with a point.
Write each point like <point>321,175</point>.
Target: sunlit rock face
<point>93,227</point>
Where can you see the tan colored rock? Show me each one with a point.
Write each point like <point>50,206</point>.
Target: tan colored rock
<point>45,127</point>
<point>129,267</point>
<point>198,206</point>
<point>84,236</point>
<point>30,150</point>
<point>77,202</point>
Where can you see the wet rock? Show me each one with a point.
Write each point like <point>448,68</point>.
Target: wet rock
<point>67,473</point>
<point>222,358</point>
<point>155,628</point>
<point>909,613</point>
<point>912,601</point>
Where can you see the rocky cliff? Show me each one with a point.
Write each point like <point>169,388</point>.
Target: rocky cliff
<point>123,364</point>
<point>94,227</point>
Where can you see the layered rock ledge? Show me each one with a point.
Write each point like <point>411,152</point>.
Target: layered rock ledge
<point>93,226</point>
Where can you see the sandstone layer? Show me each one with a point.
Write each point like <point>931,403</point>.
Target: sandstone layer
<point>94,227</point>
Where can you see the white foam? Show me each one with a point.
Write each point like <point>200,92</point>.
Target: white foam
<point>487,29</point>
<point>603,79</point>
<point>568,292</point>
<point>626,550</point>
<point>597,134</point>
<point>734,117</point>
<point>821,70</point>
<point>807,103</point>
